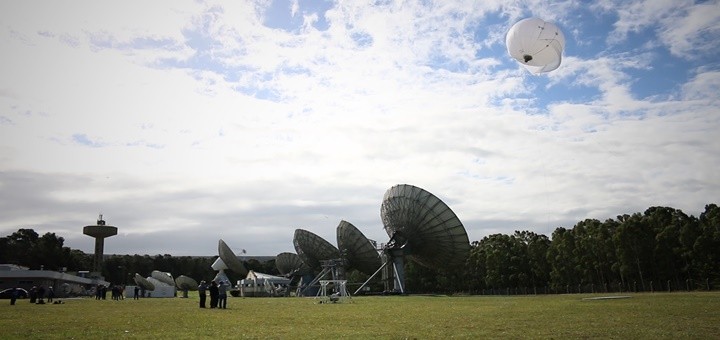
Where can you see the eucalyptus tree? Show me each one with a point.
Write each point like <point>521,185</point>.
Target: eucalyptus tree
<point>668,224</point>
<point>562,259</point>
<point>506,264</point>
<point>537,266</point>
<point>635,245</point>
<point>475,268</point>
<point>707,246</point>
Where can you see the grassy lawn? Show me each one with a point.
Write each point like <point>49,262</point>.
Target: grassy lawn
<point>642,316</point>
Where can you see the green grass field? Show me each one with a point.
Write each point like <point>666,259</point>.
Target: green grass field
<point>642,316</point>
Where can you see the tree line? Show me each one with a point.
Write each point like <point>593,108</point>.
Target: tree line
<point>660,249</point>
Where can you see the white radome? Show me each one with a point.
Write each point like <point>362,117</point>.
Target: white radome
<point>536,44</point>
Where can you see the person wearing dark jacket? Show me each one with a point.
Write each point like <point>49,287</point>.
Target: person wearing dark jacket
<point>41,295</point>
<point>214,294</point>
<point>201,292</point>
<point>13,296</point>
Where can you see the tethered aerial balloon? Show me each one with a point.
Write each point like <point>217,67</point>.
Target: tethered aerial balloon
<point>538,45</point>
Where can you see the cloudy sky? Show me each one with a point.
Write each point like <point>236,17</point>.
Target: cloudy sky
<point>185,122</point>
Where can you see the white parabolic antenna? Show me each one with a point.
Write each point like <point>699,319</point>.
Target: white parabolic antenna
<point>231,261</point>
<point>183,282</point>
<point>157,283</point>
<point>163,277</point>
<point>143,283</point>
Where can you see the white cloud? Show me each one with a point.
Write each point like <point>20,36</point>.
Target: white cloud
<point>685,28</point>
<point>208,120</point>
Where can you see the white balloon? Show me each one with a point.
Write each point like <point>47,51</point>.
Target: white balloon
<point>536,44</point>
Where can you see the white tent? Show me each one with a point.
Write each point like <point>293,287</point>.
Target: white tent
<point>260,284</point>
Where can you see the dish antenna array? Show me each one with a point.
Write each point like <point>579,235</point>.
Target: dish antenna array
<point>354,251</point>
<point>421,227</point>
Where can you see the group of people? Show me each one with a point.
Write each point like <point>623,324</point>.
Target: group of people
<point>38,294</point>
<point>116,291</point>
<point>218,293</point>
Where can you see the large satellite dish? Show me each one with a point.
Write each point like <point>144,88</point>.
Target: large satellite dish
<point>231,261</point>
<point>422,228</point>
<point>356,249</point>
<point>426,228</point>
<point>312,248</point>
<point>290,263</point>
<point>183,282</point>
<point>143,283</point>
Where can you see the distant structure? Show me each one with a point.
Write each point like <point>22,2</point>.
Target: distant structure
<point>99,231</point>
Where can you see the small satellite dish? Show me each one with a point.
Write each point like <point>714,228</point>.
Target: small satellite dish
<point>312,248</point>
<point>143,283</point>
<point>183,282</point>
<point>232,262</point>
<point>157,283</point>
<point>163,277</point>
<point>356,249</point>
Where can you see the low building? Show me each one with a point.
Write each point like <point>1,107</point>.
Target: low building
<point>64,284</point>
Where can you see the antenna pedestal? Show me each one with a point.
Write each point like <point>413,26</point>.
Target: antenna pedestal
<point>340,294</point>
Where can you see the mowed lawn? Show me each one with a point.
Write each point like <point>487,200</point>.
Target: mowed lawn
<point>641,316</point>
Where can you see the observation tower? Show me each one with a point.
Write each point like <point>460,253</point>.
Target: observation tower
<point>99,231</point>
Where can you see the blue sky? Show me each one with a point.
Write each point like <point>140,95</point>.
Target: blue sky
<point>185,122</point>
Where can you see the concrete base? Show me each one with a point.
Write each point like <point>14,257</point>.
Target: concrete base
<point>159,292</point>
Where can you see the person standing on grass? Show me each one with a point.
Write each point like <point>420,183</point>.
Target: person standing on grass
<point>50,294</point>
<point>136,296</point>
<point>222,294</point>
<point>214,294</point>
<point>201,292</point>
<point>13,296</point>
<point>41,295</point>
<point>33,294</point>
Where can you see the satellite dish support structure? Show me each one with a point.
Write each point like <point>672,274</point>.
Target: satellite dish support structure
<point>333,267</point>
<point>393,267</point>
